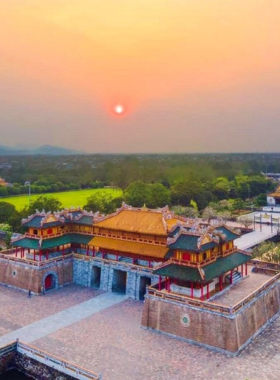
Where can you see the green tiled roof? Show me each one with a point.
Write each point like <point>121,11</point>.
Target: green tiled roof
<point>27,243</point>
<point>189,243</point>
<point>53,242</point>
<point>229,234</point>
<point>174,232</point>
<point>85,219</point>
<point>34,222</point>
<point>213,270</point>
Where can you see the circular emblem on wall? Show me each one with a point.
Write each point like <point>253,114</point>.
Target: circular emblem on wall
<point>185,320</point>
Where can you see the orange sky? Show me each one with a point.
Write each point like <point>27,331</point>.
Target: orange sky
<point>192,75</point>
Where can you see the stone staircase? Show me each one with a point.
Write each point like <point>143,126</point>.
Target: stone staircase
<point>236,277</point>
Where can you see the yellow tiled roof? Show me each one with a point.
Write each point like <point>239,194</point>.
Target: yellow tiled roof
<point>276,193</point>
<point>142,249</point>
<point>141,221</point>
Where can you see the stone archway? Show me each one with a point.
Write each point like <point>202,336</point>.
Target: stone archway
<point>50,281</point>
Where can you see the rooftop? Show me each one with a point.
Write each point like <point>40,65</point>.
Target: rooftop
<point>141,220</point>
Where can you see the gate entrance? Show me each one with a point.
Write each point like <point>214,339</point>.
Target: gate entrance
<point>96,276</point>
<point>119,281</point>
<point>144,281</point>
<point>49,282</point>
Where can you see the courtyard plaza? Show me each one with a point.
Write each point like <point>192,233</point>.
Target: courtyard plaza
<point>111,341</point>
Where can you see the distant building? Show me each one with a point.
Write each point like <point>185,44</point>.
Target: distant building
<point>6,165</point>
<point>273,199</point>
<point>3,182</point>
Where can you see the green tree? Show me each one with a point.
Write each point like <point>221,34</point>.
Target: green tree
<point>137,194</point>
<point>103,203</point>
<point>209,213</point>
<point>267,251</point>
<point>189,212</point>
<point>159,195</point>
<point>7,210</point>
<point>3,191</point>
<point>44,202</point>
<point>8,229</point>
<point>238,204</point>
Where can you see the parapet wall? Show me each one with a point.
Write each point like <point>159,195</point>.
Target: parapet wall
<point>225,332</point>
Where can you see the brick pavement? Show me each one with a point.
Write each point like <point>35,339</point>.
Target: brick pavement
<point>16,310</point>
<point>112,342</point>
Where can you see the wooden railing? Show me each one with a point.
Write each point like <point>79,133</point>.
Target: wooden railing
<point>210,305</point>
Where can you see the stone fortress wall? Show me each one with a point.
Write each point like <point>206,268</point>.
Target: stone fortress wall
<point>30,276</point>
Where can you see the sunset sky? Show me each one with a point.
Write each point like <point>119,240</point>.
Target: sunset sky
<point>186,75</point>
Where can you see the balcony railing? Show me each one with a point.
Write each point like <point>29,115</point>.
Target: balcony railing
<point>152,291</point>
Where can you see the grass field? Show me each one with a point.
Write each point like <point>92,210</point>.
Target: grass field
<point>67,198</point>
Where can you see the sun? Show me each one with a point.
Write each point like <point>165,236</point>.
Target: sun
<point>119,109</point>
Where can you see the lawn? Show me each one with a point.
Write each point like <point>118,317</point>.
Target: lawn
<point>67,198</point>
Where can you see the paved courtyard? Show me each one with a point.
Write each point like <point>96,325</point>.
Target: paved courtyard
<point>242,289</point>
<point>111,341</point>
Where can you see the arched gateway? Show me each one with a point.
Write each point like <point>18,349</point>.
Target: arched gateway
<point>50,282</point>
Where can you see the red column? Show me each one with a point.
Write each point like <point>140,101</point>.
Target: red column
<point>221,282</point>
<point>40,255</point>
<point>159,282</point>
<point>168,284</point>
<point>231,272</point>
<point>246,269</point>
<point>192,290</point>
<point>87,250</point>
<point>16,251</point>
<point>34,258</point>
<point>207,290</point>
<point>63,250</point>
<point>242,270</point>
<point>47,254</point>
<point>201,289</point>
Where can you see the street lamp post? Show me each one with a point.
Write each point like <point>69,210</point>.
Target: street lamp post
<point>28,183</point>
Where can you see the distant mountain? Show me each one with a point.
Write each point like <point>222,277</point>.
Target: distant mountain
<point>43,150</point>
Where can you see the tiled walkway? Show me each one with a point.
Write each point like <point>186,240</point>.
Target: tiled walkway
<point>62,319</point>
